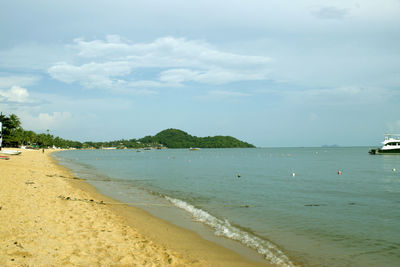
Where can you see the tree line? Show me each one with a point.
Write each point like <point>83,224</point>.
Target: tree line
<point>15,136</point>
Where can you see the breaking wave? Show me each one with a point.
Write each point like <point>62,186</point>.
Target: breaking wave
<point>224,228</point>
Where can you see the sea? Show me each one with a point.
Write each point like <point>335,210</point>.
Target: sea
<point>317,206</point>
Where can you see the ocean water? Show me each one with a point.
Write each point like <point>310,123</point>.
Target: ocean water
<point>289,205</point>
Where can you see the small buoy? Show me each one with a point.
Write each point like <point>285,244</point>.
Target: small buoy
<point>293,174</point>
<point>238,175</point>
<point>339,172</point>
<point>394,169</point>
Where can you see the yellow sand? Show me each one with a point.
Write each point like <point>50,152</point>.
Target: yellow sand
<point>48,218</point>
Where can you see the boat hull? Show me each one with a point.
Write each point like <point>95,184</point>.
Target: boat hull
<point>10,152</point>
<point>384,151</point>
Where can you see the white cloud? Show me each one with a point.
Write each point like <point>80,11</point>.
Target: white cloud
<point>227,93</point>
<point>47,119</point>
<point>165,52</point>
<point>179,75</point>
<point>15,95</point>
<point>211,76</point>
<point>111,61</point>
<point>8,81</point>
<point>330,12</point>
<point>341,96</point>
<point>223,95</point>
<point>44,121</point>
<point>91,74</point>
<point>145,84</point>
<point>334,92</point>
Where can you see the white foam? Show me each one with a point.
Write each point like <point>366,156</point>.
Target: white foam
<point>224,228</point>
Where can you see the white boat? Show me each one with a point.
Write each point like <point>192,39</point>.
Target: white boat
<point>10,152</point>
<point>391,145</point>
<point>194,148</point>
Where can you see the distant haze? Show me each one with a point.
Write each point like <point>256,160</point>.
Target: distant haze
<point>271,73</point>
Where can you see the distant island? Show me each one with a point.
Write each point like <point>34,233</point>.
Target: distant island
<point>173,138</point>
<point>330,145</point>
<point>15,136</point>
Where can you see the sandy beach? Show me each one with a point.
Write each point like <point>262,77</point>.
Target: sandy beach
<point>51,218</point>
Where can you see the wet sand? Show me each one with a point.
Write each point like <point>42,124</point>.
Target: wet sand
<point>51,218</point>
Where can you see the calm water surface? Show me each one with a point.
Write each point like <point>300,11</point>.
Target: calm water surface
<point>289,204</point>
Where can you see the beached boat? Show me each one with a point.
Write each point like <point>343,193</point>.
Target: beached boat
<point>10,152</point>
<point>4,157</point>
<point>391,145</point>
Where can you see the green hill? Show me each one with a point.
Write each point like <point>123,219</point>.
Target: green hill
<point>14,136</point>
<point>174,138</point>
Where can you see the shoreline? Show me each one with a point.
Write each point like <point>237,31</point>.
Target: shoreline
<point>161,208</point>
<point>53,218</point>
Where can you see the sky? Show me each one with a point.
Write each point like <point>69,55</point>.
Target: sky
<point>274,73</point>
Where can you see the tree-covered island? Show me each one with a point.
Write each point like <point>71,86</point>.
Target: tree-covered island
<point>174,138</point>
<point>15,136</point>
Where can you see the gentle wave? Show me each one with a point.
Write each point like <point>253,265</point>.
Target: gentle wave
<point>224,228</point>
